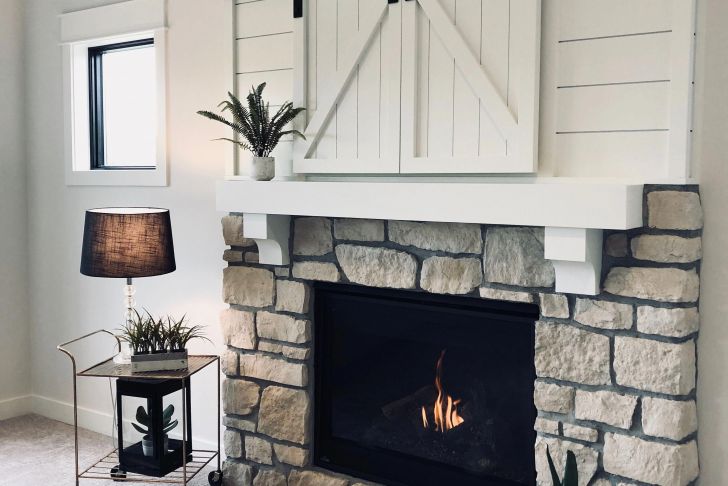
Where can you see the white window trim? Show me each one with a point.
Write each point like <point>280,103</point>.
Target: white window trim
<point>135,19</point>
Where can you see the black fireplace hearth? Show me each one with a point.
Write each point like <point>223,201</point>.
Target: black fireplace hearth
<point>420,389</point>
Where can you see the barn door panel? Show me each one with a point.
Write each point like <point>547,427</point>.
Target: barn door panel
<point>469,85</point>
<point>352,71</point>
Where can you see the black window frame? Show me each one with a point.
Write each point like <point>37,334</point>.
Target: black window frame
<point>96,102</point>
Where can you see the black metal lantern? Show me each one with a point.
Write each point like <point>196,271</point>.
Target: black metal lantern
<point>156,454</point>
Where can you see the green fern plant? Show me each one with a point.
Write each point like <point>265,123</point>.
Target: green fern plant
<point>571,475</point>
<point>259,132</point>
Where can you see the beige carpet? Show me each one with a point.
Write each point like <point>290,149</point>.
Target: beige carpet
<point>38,451</point>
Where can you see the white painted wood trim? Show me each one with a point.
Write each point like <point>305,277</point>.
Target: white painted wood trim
<point>576,254</point>
<point>330,96</point>
<point>110,20</point>
<point>681,83</point>
<point>230,28</point>
<point>271,233</point>
<point>300,81</point>
<point>552,202</point>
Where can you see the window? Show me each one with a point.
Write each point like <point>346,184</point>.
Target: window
<point>114,94</point>
<point>122,105</point>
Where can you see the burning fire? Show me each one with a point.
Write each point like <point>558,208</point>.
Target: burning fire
<point>445,409</point>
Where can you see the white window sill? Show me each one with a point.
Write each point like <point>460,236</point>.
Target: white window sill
<point>122,177</point>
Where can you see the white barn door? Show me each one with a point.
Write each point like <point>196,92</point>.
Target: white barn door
<point>470,81</point>
<point>347,74</point>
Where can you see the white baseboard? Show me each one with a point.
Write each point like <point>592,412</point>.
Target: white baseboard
<point>15,407</point>
<point>93,420</point>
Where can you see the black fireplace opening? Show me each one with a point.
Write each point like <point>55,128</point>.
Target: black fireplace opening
<point>420,389</point>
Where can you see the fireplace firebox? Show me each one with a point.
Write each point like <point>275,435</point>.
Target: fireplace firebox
<point>420,389</point>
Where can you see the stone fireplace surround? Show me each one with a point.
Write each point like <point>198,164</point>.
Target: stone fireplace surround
<point>616,372</point>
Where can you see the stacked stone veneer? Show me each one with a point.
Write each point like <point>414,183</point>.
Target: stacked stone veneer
<point>616,372</point>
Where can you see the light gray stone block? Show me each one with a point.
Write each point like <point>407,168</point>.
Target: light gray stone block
<point>514,256</point>
<point>238,328</point>
<point>287,351</point>
<point>282,272</point>
<point>236,474</point>
<point>650,462</point>
<point>554,305</point>
<point>667,248</point>
<point>248,286</point>
<point>550,397</point>
<point>321,271</point>
<point>655,366</point>
<point>678,322</point>
<point>377,267</point>
<point>281,327</point>
<point>239,423</point>
<point>273,369</point>
<point>314,478</point>
<point>546,426</point>
<point>448,237</point>
<point>661,284</point>
<point>674,210</point>
<point>239,397</point>
<point>292,296</point>
<point>233,444</point>
<point>579,432</point>
<point>570,354</point>
<point>232,231</point>
<point>507,295</point>
<point>295,456</point>
<point>285,414</point>
<point>232,256</point>
<point>616,245</point>
<point>312,236</point>
<point>603,314</point>
<point>251,257</point>
<point>586,459</point>
<point>606,407</point>
<point>229,362</point>
<point>270,478</point>
<point>670,419</point>
<point>359,229</point>
<point>445,275</point>
<point>258,450</point>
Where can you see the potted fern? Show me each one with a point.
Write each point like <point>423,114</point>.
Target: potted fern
<point>257,131</point>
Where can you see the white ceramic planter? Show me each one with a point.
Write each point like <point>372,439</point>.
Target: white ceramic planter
<point>262,168</point>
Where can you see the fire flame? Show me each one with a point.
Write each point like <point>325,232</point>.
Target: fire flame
<point>445,409</point>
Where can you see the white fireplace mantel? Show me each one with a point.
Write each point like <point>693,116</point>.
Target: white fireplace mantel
<point>573,212</point>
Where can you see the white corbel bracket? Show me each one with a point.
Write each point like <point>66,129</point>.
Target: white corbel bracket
<point>576,254</point>
<point>271,233</point>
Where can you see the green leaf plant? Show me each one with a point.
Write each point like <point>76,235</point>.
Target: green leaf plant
<point>147,334</point>
<point>571,475</point>
<point>257,131</point>
<point>145,422</point>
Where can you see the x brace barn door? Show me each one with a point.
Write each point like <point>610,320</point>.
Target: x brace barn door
<point>347,74</point>
<point>470,81</point>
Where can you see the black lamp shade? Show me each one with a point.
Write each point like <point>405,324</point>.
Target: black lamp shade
<point>127,243</point>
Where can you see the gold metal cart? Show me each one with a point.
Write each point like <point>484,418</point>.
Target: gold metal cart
<point>107,466</point>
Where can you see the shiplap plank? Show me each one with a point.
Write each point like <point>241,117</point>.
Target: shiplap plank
<point>264,18</point>
<point>494,58</point>
<point>466,128</point>
<point>631,154</point>
<point>278,89</point>
<point>346,111</point>
<point>311,59</point>
<point>583,19</point>
<point>369,92</point>
<point>615,60</point>
<point>423,34</point>
<point>326,42</point>
<point>441,86</point>
<point>391,87</point>
<point>267,53</point>
<point>614,107</point>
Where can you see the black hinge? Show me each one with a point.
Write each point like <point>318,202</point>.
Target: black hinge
<point>297,9</point>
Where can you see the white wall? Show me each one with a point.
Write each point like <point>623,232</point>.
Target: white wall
<point>65,304</point>
<point>14,329</point>
<point>711,149</point>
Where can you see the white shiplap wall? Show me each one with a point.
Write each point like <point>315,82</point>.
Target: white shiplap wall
<point>615,93</point>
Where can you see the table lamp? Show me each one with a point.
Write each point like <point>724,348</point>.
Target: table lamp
<point>127,243</point>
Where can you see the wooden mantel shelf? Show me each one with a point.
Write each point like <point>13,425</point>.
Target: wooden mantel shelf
<point>573,211</point>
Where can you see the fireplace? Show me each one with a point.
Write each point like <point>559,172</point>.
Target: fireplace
<point>420,389</point>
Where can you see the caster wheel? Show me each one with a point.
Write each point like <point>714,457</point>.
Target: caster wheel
<point>117,474</point>
<point>215,478</point>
